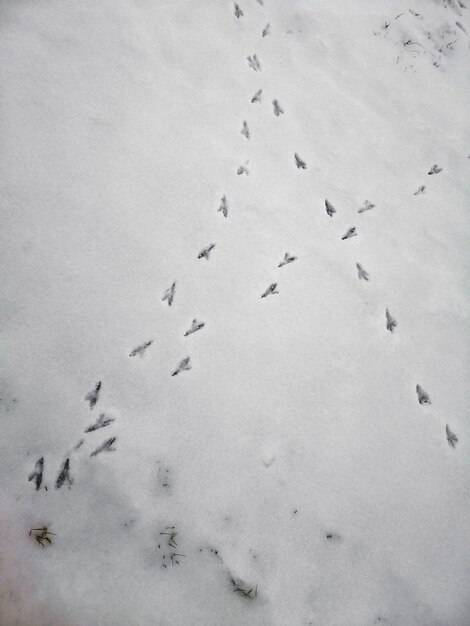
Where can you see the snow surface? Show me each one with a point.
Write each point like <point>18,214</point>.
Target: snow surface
<point>305,482</point>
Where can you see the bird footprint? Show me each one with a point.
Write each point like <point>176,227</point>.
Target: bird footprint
<point>245,131</point>
<point>287,259</point>
<point>101,422</point>
<point>266,30</point>
<point>361,272</point>
<point>435,169</point>
<point>223,208</point>
<point>270,290</point>
<point>391,322</point>
<point>257,96</point>
<point>170,294</point>
<point>194,328</point>
<point>141,349</point>
<point>351,232</point>
<point>238,12</point>
<point>254,63</point>
<point>93,396</point>
<point>367,206</point>
<point>183,366</point>
<point>451,438</point>
<point>278,110</point>
<point>423,397</point>
<point>299,162</point>
<point>204,254</point>
<point>107,446</point>
<point>330,209</point>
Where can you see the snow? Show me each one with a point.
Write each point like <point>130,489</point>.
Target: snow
<point>305,482</point>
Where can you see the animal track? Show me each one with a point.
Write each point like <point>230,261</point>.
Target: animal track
<point>423,397</point>
<point>435,169</point>
<point>101,422</point>
<point>391,322</point>
<point>238,12</point>
<point>278,110</point>
<point>266,30</point>
<point>367,206</point>
<point>420,190</point>
<point>194,328</point>
<point>451,438</point>
<point>37,473</point>
<point>257,96</point>
<point>223,208</point>
<point>254,63</point>
<point>64,475</point>
<point>270,290</point>
<point>183,366</point>
<point>299,162</point>
<point>288,258</point>
<point>93,396</point>
<point>245,131</point>
<point>204,254</point>
<point>330,209</point>
<point>351,232</point>
<point>361,272</point>
<point>243,169</point>
<point>170,294</point>
<point>106,446</point>
<point>141,349</point>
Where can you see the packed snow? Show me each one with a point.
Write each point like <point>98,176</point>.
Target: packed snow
<point>235,313</point>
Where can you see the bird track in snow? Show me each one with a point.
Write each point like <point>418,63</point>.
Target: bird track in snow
<point>330,209</point>
<point>93,396</point>
<point>223,208</point>
<point>170,294</point>
<point>278,110</point>
<point>194,327</point>
<point>257,97</point>
<point>205,253</point>
<point>361,272</point>
<point>140,350</point>
<point>254,63</point>
<point>184,366</point>
<point>351,232</point>
<point>288,258</point>
<point>300,162</point>
<point>270,290</point>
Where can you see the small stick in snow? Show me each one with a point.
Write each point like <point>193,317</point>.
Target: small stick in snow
<point>257,96</point>
<point>243,169</point>
<point>366,207</point>
<point>101,422</point>
<point>238,12</point>
<point>107,446</point>
<point>288,258</point>
<point>141,349</point>
<point>245,131</point>
<point>391,322</point>
<point>266,30</point>
<point>170,294</point>
<point>330,209</point>
<point>299,162</point>
<point>270,290</point>
<point>435,169</point>
<point>361,272</point>
<point>64,475</point>
<point>423,397</point>
<point>351,232</point>
<point>92,396</point>
<point>204,254</point>
<point>254,63</point>
<point>451,438</point>
<point>420,190</point>
<point>195,327</point>
<point>184,365</point>
<point>37,473</point>
<point>223,208</point>
<point>278,110</point>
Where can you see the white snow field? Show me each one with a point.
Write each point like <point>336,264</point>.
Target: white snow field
<point>204,455</point>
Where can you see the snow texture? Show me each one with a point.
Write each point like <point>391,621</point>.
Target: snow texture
<point>293,470</point>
